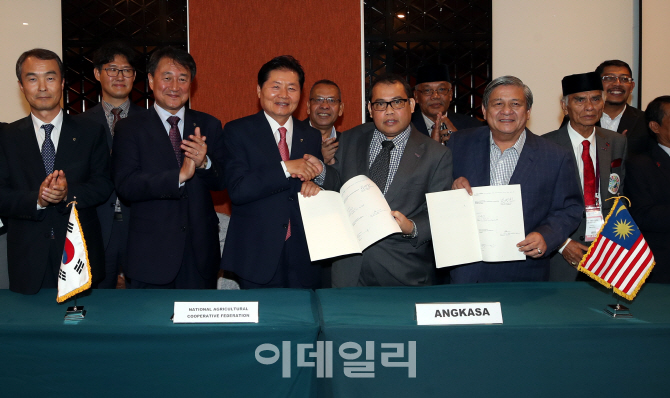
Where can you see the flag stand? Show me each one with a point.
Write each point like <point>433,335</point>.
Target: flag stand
<point>617,310</point>
<point>76,312</point>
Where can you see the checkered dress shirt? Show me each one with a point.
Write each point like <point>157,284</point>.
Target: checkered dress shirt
<point>400,141</point>
<point>503,163</point>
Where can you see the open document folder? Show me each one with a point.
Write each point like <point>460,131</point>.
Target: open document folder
<point>483,227</point>
<point>346,222</point>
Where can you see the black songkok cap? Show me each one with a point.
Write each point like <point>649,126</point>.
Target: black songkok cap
<point>581,82</point>
<point>432,73</point>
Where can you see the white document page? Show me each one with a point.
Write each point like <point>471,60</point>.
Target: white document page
<point>483,227</point>
<point>369,213</point>
<point>453,224</point>
<point>500,222</point>
<point>346,222</point>
<point>327,228</point>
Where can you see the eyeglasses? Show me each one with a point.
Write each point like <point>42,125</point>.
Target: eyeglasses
<point>395,104</point>
<point>622,79</point>
<point>441,91</point>
<point>329,100</point>
<point>114,72</point>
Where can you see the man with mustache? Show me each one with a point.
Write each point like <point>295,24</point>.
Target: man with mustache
<point>324,107</point>
<point>618,116</point>
<point>433,92</point>
<point>405,165</point>
<point>599,155</point>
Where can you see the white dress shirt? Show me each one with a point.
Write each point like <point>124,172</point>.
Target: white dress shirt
<point>57,122</point>
<point>274,125</point>
<point>611,124</point>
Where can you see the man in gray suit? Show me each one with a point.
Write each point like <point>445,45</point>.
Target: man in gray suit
<point>599,155</point>
<point>406,165</point>
<point>115,68</point>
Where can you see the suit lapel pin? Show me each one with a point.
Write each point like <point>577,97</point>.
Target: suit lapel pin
<point>194,124</point>
<point>417,155</point>
<point>301,140</point>
<point>74,138</point>
<point>607,145</point>
<point>658,164</point>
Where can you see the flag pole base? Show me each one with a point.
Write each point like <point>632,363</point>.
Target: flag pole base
<point>75,313</point>
<point>618,311</point>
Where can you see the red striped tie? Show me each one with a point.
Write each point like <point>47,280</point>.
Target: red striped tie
<point>283,151</point>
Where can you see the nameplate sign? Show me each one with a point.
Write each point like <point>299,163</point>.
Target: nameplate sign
<point>215,312</point>
<point>458,313</point>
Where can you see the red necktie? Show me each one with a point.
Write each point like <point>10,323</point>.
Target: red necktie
<point>117,116</point>
<point>283,151</point>
<point>589,176</point>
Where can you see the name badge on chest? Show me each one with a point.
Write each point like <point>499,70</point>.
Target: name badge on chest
<point>594,220</point>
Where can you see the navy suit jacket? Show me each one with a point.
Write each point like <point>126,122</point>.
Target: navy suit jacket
<point>648,188</point>
<point>461,122</point>
<point>264,200</point>
<point>552,200</point>
<point>106,210</point>
<point>84,157</point>
<point>162,214</point>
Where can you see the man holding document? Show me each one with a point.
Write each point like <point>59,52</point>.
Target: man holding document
<point>405,164</point>
<point>506,153</point>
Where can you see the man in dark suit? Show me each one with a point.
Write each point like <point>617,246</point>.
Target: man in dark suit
<point>47,160</point>
<point>324,107</point>
<point>165,162</point>
<point>617,115</point>
<point>411,166</point>
<point>267,157</point>
<point>433,93</point>
<point>618,85</point>
<point>593,148</point>
<point>115,68</point>
<point>648,188</point>
<point>507,153</point>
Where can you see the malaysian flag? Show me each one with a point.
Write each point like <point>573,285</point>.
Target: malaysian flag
<point>619,257</point>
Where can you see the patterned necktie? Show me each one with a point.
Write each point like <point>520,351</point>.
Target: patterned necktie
<point>117,116</point>
<point>283,151</point>
<point>589,176</point>
<point>175,137</point>
<point>379,171</point>
<point>48,149</point>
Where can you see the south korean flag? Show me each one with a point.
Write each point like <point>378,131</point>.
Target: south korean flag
<point>74,275</point>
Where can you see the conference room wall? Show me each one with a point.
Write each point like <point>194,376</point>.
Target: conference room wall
<point>43,29</point>
<point>540,42</point>
<point>655,54</point>
<point>231,40</point>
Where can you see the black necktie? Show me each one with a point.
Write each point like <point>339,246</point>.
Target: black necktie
<point>175,137</point>
<point>379,171</point>
<point>117,116</point>
<point>48,149</point>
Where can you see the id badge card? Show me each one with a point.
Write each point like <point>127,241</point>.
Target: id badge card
<point>594,220</point>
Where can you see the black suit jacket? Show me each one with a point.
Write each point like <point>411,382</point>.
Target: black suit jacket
<point>84,157</point>
<point>264,200</point>
<point>648,188</point>
<point>106,210</point>
<point>461,122</point>
<point>3,229</point>
<point>162,214</point>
